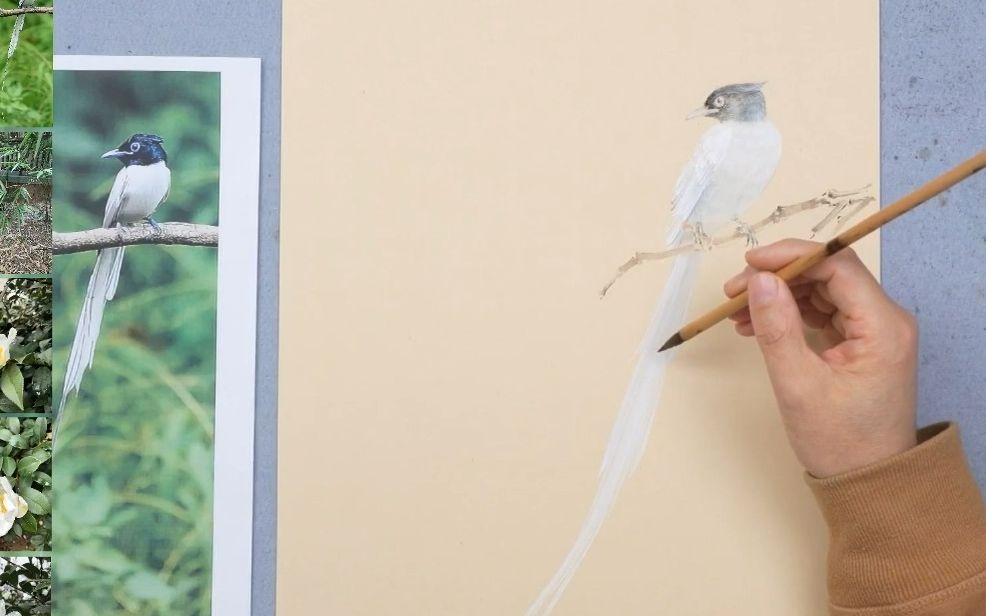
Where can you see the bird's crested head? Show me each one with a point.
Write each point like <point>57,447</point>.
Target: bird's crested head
<point>738,102</point>
<point>139,149</point>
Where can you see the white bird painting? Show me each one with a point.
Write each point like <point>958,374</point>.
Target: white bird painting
<point>729,169</point>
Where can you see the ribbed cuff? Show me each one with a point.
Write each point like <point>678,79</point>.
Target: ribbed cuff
<point>906,527</point>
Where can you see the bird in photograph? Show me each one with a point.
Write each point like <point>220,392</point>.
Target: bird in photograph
<point>139,188</point>
<point>729,169</point>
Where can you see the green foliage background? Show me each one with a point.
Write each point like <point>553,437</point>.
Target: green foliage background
<point>27,464</point>
<point>26,154</point>
<point>25,387</point>
<point>133,456</point>
<point>25,305</point>
<point>25,97</point>
<point>25,585</point>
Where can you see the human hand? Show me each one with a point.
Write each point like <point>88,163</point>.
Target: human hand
<point>852,402</point>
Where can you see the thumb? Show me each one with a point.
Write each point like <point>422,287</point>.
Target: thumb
<point>777,325</point>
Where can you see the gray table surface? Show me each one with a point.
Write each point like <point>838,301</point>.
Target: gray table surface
<point>934,260</point>
<point>932,91</point>
<point>250,28</point>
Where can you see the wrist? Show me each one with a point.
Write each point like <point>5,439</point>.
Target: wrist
<point>862,454</point>
<point>841,448</point>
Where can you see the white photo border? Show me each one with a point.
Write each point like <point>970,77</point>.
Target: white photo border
<point>236,310</point>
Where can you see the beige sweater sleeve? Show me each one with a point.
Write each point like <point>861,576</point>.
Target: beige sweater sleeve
<point>908,534</point>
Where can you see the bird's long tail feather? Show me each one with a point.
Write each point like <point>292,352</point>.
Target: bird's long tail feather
<point>628,438</point>
<point>102,287</point>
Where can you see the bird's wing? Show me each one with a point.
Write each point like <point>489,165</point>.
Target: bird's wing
<point>696,177</point>
<point>116,199</point>
<point>167,192</point>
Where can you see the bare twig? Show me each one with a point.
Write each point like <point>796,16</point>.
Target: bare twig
<point>843,206</point>
<point>169,233</point>
<point>25,10</point>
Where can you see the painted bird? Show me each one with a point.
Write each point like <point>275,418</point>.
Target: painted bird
<point>730,168</point>
<point>139,188</point>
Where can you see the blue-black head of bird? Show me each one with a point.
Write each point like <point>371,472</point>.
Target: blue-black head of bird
<point>140,149</point>
<point>738,102</point>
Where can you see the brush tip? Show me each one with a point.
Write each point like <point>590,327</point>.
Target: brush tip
<point>672,342</point>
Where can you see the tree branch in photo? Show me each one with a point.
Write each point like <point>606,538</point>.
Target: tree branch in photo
<point>168,233</point>
<point>26,10</point>
<point>842,205</point>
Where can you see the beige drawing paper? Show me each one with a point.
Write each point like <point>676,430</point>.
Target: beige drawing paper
<point>460,179</point>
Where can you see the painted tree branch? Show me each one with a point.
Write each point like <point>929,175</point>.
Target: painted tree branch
<point>168,233</point>
<point>842,205</point>
<point>26,10</point>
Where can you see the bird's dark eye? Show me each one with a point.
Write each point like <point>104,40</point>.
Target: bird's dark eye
<point>135,147</point>
<point>719,102</point>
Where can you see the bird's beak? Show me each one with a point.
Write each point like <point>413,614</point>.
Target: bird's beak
<point>702,112</point>
<point>115,154</point>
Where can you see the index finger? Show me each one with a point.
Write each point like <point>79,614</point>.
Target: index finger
<point>848,282</point>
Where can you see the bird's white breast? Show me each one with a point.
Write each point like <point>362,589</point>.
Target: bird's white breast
<point>144,188</point>
<point>747,155</point>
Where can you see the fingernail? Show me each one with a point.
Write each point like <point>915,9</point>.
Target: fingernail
<point>763,289</point>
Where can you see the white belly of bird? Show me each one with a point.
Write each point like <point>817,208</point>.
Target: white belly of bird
<point>146,187</point>
<point>743,172</point>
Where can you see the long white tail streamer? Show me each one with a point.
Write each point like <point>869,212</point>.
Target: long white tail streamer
<point>628,438</point>
<point>102,287</point>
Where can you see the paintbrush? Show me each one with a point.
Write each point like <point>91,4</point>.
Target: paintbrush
<point>793,269</point>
